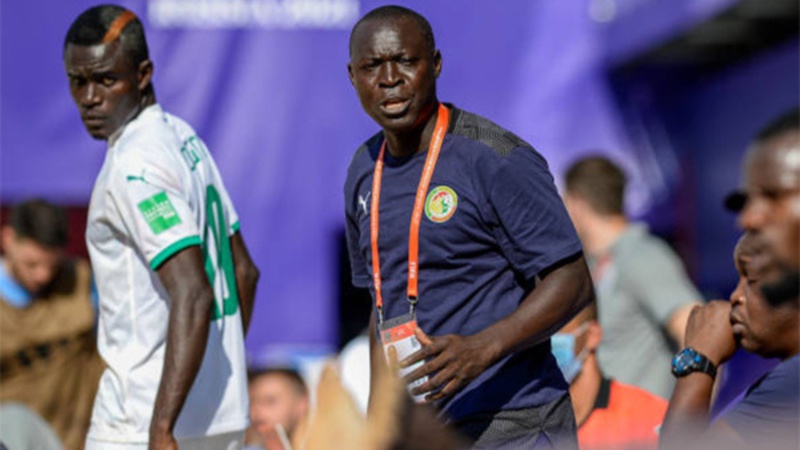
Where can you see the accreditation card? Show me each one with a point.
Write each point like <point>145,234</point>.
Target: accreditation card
<point>398,333</point>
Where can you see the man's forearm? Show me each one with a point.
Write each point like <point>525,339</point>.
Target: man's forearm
<point>688,414</point>
<point>560,295</point>
<point>187,336</point>
<point>190,303</point>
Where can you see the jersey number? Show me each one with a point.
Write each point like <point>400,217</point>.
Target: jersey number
<point>217,233</point>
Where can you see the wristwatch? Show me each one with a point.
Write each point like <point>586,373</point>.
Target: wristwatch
<point>690,360</point>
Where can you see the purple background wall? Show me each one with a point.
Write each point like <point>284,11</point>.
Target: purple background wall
<point>267,88</point>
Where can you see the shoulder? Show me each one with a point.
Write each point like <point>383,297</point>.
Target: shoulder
<point>481,130</point>
<point>362,159</point>
<point>633,395</point>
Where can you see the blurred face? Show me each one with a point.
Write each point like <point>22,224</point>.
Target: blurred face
<point>32,265</point>
<point>274,400</point>
<point>772,210</point>
<point>394,73</point>
<point>105,85</point>
<point>759,327</point>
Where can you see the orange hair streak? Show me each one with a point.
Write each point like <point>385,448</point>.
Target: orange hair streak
<point>117,26</point>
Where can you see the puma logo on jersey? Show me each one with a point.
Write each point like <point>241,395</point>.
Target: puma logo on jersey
<point>362,201</point>
<point>137,177</point>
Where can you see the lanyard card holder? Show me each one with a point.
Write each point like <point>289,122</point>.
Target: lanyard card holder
<point>399,334</point>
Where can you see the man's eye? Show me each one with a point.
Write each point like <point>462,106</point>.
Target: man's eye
<point>108,81</point>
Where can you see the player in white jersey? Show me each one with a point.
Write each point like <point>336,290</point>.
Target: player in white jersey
<point>175,280</point>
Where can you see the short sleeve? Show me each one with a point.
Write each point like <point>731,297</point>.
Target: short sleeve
<point>153,204</point>
<point>659,281</point>
<point>770,408</point>
<point>361,277</point>
<point>535,230</point>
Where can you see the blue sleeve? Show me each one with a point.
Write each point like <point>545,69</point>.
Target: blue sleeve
<point>535,230</point>
<point>771,406</point>
<point>360,275</point>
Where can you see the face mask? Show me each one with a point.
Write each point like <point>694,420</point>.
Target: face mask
<point>563,348</point>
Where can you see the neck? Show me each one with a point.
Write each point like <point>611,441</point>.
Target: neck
<point>584,389</point>
<point>602,231</point>
<point>406,143</point>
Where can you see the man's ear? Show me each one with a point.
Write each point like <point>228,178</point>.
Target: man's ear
<point>437,63</point>
<point>8,237</point>
<point>144,74</point>
<point>594,335</point>
<point>350,74</point>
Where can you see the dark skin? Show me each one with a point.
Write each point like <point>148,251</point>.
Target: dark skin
<point>771,218</point>
<point>108,88</point>
<point>716,330</point>
<point>394,72</point>
<point>110,91</point>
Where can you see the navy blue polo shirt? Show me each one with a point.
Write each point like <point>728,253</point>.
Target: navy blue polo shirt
<point>493,221</point>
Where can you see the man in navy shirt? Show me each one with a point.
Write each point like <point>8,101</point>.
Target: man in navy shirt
<point>497,261</point>
<point>763,316</point>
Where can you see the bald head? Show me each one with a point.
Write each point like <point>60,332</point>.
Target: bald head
<point>771,211</point>
<point>389,14</point>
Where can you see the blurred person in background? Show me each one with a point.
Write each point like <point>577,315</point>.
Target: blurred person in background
<point>48,350</point>
<point>610,415</point>
<point>23,429</point>
<point>279,407</point>
<point>643,293</point>
<point>501,268</point>
<point>175,280</point>
<point>763,316</point>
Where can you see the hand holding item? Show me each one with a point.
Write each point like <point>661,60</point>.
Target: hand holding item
<point>451,362</point>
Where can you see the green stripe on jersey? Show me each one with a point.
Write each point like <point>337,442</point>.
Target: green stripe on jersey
<point>174,248</point>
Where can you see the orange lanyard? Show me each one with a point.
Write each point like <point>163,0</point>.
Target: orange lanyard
<point>434,148</point>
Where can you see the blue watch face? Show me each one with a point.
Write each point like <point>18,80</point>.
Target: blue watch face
<point>684,361</point>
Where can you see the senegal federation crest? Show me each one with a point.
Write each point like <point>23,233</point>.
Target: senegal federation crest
<point>441,204</point>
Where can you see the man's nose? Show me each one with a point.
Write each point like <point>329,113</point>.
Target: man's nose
<point>754,215</point>
<point>389,75</point>
<point>90,95</point>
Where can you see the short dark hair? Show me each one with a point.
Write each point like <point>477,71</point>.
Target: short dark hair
<point>789,121</point>
<point>392,12</point>
<point>598,181</point>
<point>40,221</point>
<point>91,27</point>
<point>291,375</point>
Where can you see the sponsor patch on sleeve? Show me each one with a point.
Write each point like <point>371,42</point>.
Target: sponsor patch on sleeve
<point>159,213</point>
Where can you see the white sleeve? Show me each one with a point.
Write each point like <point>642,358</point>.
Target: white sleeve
<point>153,204</point>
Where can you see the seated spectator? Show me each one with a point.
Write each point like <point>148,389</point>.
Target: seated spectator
<point>768,414</point>
<point>642,289</point>
<point>610,415</point>
<point>48,353</point>
<point>279,406</point>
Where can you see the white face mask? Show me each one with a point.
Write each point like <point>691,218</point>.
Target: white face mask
<point>563,348</point>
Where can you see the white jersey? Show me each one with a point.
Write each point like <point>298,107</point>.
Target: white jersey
<point>160,192</point>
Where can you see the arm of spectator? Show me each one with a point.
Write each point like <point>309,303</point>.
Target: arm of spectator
<point>456,360</point>
<point>688,417</point>
<point>676,326</point>
<point>247,275</point>
<point>663,287</point>
<point>191,301</point>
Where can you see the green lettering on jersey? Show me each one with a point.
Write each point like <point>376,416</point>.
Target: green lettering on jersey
<point>159,213</point>
<point>193,151</point>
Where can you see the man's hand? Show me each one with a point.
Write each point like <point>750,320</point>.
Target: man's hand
<point>453,361</point>
<point>162,440</point>
<point>709,331</point>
